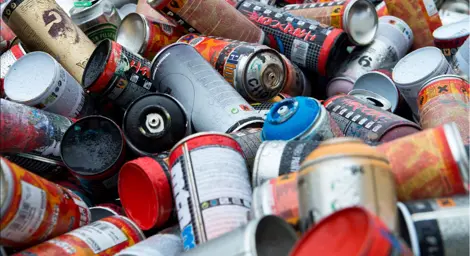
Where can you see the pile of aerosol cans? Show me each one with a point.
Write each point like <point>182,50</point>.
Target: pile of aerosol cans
<point>234,127</point>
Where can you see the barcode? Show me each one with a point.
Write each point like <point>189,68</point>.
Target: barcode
<point>23,214</point>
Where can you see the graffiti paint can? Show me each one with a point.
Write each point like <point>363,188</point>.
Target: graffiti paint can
<point>393,40</point>
<point>34,209</point>
<point>429,164</point>
<point>436,226</point>
<point>308,43</point>
<point>93,150</point>
<point>9,57</point>
<point>382,9</point>
<point>154,123</point>
<point>46,27</point>
<point>76,189</point>
<point>366,235</point>
<point>145,192</point>
<point>256,71</point>
<point>144,36</point>
<point>263,108</point>
<point>297,84</point>
<point>409,78</point>
<point>249,140</point>
<point>449,38</point>
<point>460,62</point>
<point>53,89</point>
<point>103,237</point>
<point>298,118</point>
<point>44,167</point>
<point>275,158</point>
<point>6,36</point>
<point>358,18</point>
<point>101,212</point>
<point>269,235</point>
<point>211,186</point>
<point>371,98</point>
<point>212,103</point>
<point>210,17</point>
<point>98,21</point>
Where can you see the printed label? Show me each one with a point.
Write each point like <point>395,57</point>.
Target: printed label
<point>101,32</point>
<point>6,60</point>
<point>445,86</point>
<point>100,235</point>
<point>430,6</point>
<point>294,153</point>
<point>299,52</point>
<point>285,198</point>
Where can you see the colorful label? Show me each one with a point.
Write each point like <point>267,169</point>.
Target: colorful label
<point>101,32</point>
<point>161,35</point>
<point>285,198</point>
<point>8,58</point>
<point>444,86</point>
<point>330,13</point>
<point>100,236</point>
<point>294,153</point>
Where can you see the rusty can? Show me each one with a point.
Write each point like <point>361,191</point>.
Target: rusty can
<point>450,37</point>
<point>104,237</point>
<point>297,84</point>
<point>249,140</point>
<point>432,163</point>
<point>34,209</point>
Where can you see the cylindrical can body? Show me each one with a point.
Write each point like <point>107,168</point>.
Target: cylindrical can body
<point>38,80</point>
<point>212,103</point>
<point>34,209</point>
<point>449,38</point>
<point>249,140</point>
<point>42,166</point>
<point>440,225</point>
<point>357,119</point>
<point>210,17</point>
<point>460,62</point>
<point>101,212</point>
<point>256,71</point>
<point>307,43</point>
<point>104,237</point>
<point>77,190</point>
<point>9,57</point>
<point>429,164</point>
<point>297,83</point>
<point>372,99</point>
<point>211,186</point>
<point>278,157</point>
<point>46,27</point>
<point>445,99</point>
<point>6,36</point>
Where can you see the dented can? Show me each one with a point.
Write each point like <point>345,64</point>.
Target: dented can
<point>449,38</point>
<point>249,140</point>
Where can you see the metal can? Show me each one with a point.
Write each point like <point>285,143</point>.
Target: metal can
<point>249,140</point>
<point>144,36</point>
<point>6,35</point>
<point>34,209</point>
<point>103,237</point>
<point>118,74</point>
<point>460,62</point>
<point>307,43</point>
<point>256,71</point>
<point>145,192</point>
<point>212,103</point>
<point>371,98</point>
<point>392,42</point>
<point>263,108</point>
<point>358,18</point>
<point>211,186</point>
<point>9,57</point>
<point>93,150</point>
<point>298,118</point>
<point>46,27</point>
<point>436,226</point>
<point>99,21</point>
<point>269,235</point>
<point>449,38</point>
<point>34,133</point>
<point>429,164</point>
<point>382,9</point>
<point>459,6</point>
<point>366,235</point>
<point>275,158</point>
<point>445,99</point>
<point>53,89</point>
<point>101,212</point>
<point>154,123</point>
<point>76,189</point>
<point>297,83</point>
<point>409,78</point>
<point>448,17</point>
<point>44,167</point>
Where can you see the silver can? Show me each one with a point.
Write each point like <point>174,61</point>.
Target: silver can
<point>100,212</point>
<point>436,226</point>
<point>250,140</point>
<point>461,60</point>
<point>372,99</point>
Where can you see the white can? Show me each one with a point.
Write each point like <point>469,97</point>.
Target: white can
<point>9,57</point>
<point>38,80</point>
<point>460,61</point>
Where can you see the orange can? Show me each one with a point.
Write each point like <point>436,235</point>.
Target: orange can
<point>107,236</point>
<point>429,164</point>
<point>34,209</point>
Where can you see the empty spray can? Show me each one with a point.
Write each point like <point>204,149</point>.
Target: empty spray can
<point>211,103</point>
<point>460,63</point>
<point>371,98</point>
<point>249,140</point>
<point>297,83</point>
<point>256,71</point>
<point>8,58</point>
<point>449,38</point>
<point>211,186</point>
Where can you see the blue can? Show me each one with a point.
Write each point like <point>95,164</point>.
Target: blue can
<point>299,118</point>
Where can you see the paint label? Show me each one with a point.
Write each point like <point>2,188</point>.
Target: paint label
<point>285,198</point>
<point>299,52</point>
<point>101,32</point>
<point>6,61</point>
<point>100,235</point>
<point>444,86</point>
<point>29,215</point>
<point>430,6</point>
<point>294,154</point>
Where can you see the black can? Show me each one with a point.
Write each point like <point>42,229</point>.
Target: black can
<point>154,123</point>
<point>93,150</point>
<point>116,73</point>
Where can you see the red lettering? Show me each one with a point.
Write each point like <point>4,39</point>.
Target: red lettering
<point>267,21</point>
<point>285,28</point>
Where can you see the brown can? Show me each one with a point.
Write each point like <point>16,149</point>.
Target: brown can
<point>45,26</point>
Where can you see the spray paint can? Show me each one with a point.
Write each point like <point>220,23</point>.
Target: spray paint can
<point>211,187</point>
<point>103,237</point>
<point>263,108</point>
<point>9,57</point>
<point>46,27</point>
<point>77,190</point>
<point>249,140</point>
<point>53,89</point>
<point>117,74</point>
<point>436,226</point>
<point>34,209</point>
<point>429,164</point>
<point>212,103</point>
<point>382,9</point>
<point>256,71</point>
<point>154,123</point>
<point>44,167</point>
<point>307,43</point>
<point>371,98</point>
<point>144,36</point>
<point>210,17</point>
<point>460,62</point>
<point>6,36</point>
<point>93,150</point>
<point>450,37</point>
<point>297,83</point>
<point>101,212</point>
<point>98,21</point>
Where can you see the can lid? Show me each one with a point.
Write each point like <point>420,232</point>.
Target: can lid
<point>360,21</point>
<point>145,192</point>
<point>417,66</point>
<point>452,31</point>
<point>132,33</point>
<point>380,84</point>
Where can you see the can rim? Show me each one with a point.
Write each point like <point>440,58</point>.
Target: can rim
<point>7,173</point>
<point>196,135</point>
<point>253,232</point>
<point>161,52</point>
<point>81,15</point>
<point>238,127</point>
<point>439,33</point>
<point>387,105</point>
<point>131,17</point>
<point>455,142</point>
<point>349,11</point>
<point>410,227</point>
<point>103,208</point>
<point>395,103</point>
<point>109,46</point>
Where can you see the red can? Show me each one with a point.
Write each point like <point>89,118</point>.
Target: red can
<point>297,83</point>
<point>104,237</point>
<point>6,36</point>
<point>450,37</point>
<point>34,209</point>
